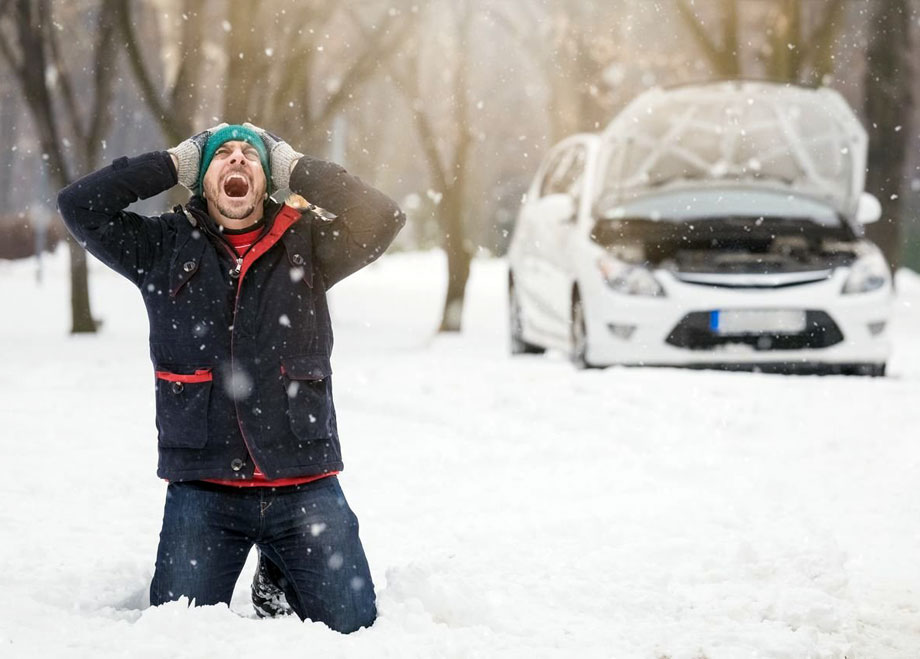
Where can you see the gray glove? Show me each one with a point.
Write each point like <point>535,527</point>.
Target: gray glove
<point>281,156</point>
<point>188,153</point>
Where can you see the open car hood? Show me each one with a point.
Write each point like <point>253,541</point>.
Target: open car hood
<point>782,137</point>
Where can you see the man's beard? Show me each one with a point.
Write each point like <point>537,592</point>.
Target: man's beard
<point>234,214</point>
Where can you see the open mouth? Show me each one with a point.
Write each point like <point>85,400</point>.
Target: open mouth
<point>236,185</point>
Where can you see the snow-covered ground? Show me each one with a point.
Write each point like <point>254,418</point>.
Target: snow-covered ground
<point>509,507</point>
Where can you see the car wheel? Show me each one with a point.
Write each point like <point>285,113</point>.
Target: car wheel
<point>579,339</point>
<point>516,324</point>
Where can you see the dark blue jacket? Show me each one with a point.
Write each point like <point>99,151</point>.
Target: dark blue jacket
<point>240,348</point>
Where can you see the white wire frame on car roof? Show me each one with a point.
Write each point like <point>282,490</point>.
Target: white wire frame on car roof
<point>805,140</point>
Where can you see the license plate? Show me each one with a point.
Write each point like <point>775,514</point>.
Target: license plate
<point>757,321</point>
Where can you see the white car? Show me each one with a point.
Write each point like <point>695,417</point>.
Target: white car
<point>717,225</point>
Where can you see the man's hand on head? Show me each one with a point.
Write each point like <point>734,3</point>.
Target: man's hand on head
<point>282,156</point>
<point>186,156</point>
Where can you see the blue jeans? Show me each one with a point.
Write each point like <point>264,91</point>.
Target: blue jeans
<point>308,531</point>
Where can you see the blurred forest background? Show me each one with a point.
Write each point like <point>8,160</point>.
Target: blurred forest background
<point>446,105</point>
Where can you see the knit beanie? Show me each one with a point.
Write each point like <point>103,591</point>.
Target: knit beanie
<point>231,134</point>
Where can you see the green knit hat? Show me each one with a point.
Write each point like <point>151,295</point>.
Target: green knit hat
<point>231,134</point>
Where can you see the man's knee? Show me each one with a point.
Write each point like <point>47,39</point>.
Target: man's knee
<point>339,595</point>
<point>344,617</point>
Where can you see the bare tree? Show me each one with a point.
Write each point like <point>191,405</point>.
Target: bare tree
<point>31,48</point>
<point>790,53</point>
<point>446,150</point>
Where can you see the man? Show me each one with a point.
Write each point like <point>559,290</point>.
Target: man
<point>240,338</point>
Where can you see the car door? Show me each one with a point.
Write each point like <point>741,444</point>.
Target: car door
<point>529,249</point>
<point>557,273</point>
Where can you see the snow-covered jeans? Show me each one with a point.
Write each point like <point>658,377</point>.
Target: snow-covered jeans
<point>308,531</point>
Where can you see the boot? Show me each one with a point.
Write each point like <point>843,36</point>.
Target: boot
<point>268,596</point>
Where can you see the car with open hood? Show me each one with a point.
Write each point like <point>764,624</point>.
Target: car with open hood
<point>714,225</point>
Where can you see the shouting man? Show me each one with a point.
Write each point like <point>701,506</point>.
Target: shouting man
<point>240,337</point>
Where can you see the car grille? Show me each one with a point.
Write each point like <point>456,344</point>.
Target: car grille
<point>760,280</point>
<point>693,332</point>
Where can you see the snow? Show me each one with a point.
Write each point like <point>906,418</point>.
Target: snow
<point>509,507</point>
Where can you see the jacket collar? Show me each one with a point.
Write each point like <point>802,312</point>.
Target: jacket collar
<point>198,208</point>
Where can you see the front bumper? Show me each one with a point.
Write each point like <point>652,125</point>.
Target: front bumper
<point>625,329</point>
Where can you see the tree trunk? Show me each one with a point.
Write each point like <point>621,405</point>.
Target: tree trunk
<point>458,261</point>
<point>8,139</point>
<point>454,202</point>
<point>786,49</point>
<point>888,109</point>
<point>80,313</point>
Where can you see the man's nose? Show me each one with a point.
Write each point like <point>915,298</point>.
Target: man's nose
<point>236,156</point>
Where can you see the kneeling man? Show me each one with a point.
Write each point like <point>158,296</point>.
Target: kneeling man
<point>240,337</point>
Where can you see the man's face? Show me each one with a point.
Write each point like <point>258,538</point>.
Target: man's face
<point>234,182</point>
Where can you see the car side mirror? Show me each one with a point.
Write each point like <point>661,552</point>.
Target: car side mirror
<point>556,208</point>
<point>869,209</point>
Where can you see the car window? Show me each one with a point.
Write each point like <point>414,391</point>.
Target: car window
<point>565,173</point>
<point>554,161</point>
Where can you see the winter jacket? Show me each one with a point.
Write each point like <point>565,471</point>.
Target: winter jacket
<point>240,347</point>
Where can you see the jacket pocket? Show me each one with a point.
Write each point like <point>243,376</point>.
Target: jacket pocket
<point>308,387</point>
<point>186,262</point>
<point>182,407</point>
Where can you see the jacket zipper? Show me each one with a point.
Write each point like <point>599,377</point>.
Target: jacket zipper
<point>235,276</point>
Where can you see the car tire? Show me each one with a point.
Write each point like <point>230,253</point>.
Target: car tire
<point>516,325</point>
<point>865,370</point>
<point>578,352</point>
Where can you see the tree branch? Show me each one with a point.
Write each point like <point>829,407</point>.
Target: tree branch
<point>103,74</point>
<point>9,56</point>
<point>461,102</point>
<point>712,51</point>
<point>378,50</point>
<point>821,40</point>
<point>163,116</point>
<point>730,38</point>
<point>525,39</point>
<point>185,93</point>
<point>408,85</point>
<point>407,82</point>
<point>63,75</point>
<point>6,50</point>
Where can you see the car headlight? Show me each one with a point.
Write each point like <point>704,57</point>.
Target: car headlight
<point>868,273</point>
<point>629,279</point>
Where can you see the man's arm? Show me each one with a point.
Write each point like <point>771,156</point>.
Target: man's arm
<point>93,210</point>
<point>367,220</point>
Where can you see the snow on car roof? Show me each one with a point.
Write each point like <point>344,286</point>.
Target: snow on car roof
<point>778,136</point>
